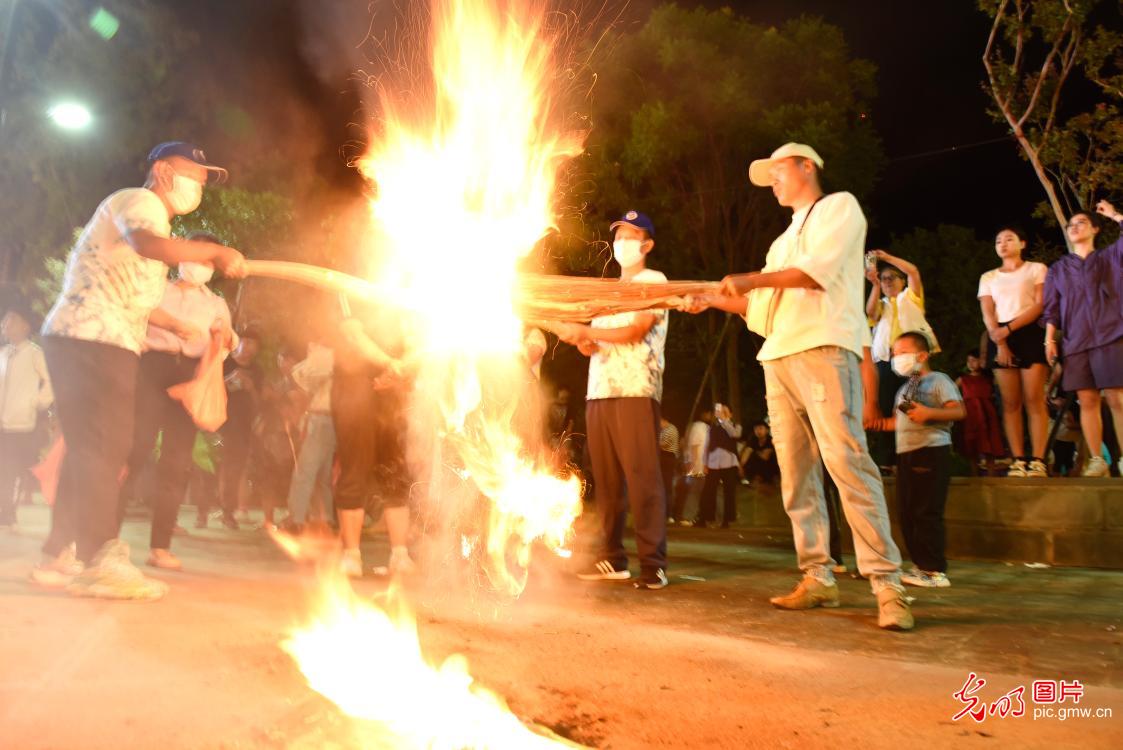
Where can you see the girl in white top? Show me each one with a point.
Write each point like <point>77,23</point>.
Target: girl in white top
<point>1011,297</point>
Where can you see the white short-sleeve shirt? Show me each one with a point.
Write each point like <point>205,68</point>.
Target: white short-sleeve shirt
<point>196,305</point>
<point>630,370</point>
<point>1013,292</point>
<point>829,249</point>
<point>109,289</point>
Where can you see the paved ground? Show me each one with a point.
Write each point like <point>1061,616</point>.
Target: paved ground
<point>705,663</point>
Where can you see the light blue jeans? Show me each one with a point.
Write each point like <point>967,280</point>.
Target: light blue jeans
<point>815,409</point>
<point>313,468</point>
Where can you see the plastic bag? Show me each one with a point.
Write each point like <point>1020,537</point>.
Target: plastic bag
<point>204,396</point>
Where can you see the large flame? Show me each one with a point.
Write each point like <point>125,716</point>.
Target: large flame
<point>464,179</point>
<point>464,182</point>
<point>367,660</point>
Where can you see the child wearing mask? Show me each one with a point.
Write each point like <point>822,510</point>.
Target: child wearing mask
<point>925,408</point>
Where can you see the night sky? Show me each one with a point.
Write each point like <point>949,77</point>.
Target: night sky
<point>929,96</point>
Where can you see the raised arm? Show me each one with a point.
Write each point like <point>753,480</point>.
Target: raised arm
<point>909,269</point>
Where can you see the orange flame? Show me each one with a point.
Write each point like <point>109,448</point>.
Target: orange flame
<point>464,184</point>
<point>370,664</point>
<point>464,187</point>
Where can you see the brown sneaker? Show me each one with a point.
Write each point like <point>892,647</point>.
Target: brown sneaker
<point>893,611</point>
<point>808,594</point>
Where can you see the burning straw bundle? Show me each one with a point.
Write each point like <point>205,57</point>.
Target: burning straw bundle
<point>576,299</point>
<point>538,297</point>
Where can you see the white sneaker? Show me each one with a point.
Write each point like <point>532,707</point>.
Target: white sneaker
<point>58,572</point>
<point>351,564</point>
<point>111,575</point>
<point>1017,468</point>
<point>1096,467</point>
<point>1037,469</point>
<point>926,579</point>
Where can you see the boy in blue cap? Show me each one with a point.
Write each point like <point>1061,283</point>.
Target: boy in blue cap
<point>626,366</point>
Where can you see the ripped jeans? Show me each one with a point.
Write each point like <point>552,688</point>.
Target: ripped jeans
<point>815,410</point>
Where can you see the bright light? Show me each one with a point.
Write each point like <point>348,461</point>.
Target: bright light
<point>70,115</point>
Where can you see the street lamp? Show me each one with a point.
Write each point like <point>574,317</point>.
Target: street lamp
<point>70,115</point>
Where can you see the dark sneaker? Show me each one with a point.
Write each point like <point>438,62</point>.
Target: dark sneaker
<point>651,579</point>
<point>604,571</point>
<point>230,522</point>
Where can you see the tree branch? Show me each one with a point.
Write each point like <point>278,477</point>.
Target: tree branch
<point>1044,74</point>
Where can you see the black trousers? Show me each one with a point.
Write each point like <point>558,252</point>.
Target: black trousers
<point>729,479</point>
<point>883,446</point>
<point>624,451</point>
<point>17,454</point>
<point>370,432</point>
<point>237,441</point>
<point>922,492</point>
<point>667,462</point>
<point>834,506</point>
<point>157,413</point>
<point>95,390</point>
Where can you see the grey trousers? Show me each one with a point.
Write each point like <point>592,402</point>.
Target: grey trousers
<point>815,407</point>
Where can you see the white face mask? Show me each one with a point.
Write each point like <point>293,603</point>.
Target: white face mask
<point>185,195</point>
<point>195,274</point>
<point>905,364</point>
<point>627,252</point>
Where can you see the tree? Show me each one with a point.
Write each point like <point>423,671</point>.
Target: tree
<point>678,110</point>
<point>1037,52</point>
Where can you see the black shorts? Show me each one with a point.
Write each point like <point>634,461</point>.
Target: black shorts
<point>1098,368</point>
<point>1026,343</point>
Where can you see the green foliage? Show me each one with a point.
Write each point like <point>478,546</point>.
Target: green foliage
<point>1044,49</point>
<point>258,223</point>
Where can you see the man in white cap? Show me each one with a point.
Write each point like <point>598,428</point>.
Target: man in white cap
<point>807,303</point>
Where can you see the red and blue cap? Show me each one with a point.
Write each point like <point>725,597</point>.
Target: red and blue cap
<point>637,220</point>
<point>188,151</point>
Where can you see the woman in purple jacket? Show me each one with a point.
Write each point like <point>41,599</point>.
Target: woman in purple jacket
<point>1084,299</point>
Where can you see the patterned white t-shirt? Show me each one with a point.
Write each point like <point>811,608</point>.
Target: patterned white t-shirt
<point>109,289</point>
<point>630,370</point>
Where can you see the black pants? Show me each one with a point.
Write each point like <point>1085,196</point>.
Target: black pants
<point>370,432</point>
<point>1064,455</point>
<point>729,479</point>
<point>624,451</point>
<point>157,413</point>
<point>834,506</point>
<point>17,454</point>
<point>237,440</point>
<point>922,492</point>
<point>883,447</point>
<point>667,462</point>
<point>95,390</point>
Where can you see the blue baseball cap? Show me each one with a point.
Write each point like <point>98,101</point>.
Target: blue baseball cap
<point>637,220</point>
<point>188,151</point>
